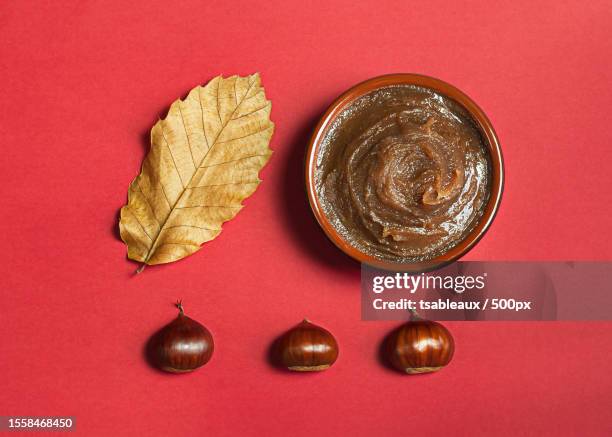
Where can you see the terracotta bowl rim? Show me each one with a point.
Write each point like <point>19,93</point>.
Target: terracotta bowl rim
<point>489,136</point>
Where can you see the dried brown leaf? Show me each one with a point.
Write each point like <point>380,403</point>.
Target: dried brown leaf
<point>204,160</point>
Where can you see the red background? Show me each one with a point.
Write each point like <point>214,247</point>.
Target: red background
<point>83,82</point>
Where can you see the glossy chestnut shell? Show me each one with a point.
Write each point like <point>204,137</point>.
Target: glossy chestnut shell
<point>306,348</point>
<point>419,346</point>
<point>181,346</point>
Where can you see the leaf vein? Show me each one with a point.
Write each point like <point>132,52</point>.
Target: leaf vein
<point>228,183</point>
<point>209,206</point>
<point>246,136</point>
<point>187,135</point>
<point>191,226</point>
<point>218,103</point>
<point>235,93</point>
<point>203,125</point>
<point>234,160</point>
<point>140,243</point>
<point>161,127</point>
<point>139,222</point>
<point>251,113</point>
<point>147,201</point>
<point>165,195</point>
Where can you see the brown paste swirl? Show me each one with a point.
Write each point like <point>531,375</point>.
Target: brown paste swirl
<point>408,176</point>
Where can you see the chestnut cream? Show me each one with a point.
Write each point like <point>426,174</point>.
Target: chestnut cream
<point>403,173</point>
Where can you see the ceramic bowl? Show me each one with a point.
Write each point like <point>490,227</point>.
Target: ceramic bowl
<point>489,138</point>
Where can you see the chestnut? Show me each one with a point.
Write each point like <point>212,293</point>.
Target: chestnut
<point>306,348</point>
<point>181,346</point>
<point>419,346</point>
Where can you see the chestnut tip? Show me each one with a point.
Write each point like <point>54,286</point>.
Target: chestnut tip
<point>181,346</point>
